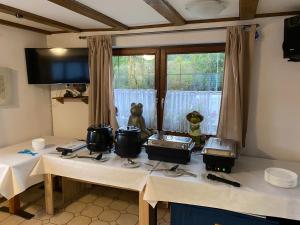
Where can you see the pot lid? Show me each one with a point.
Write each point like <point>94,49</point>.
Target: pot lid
<point>99,127</point>
<point>129,129</point>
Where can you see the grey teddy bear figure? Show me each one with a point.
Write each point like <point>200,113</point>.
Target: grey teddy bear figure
<point>136,119</point>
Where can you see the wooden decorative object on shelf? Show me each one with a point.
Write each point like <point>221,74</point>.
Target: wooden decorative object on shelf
<point>84,99</point>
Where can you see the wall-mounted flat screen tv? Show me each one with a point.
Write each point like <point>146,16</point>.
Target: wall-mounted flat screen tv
<point>57,65</point>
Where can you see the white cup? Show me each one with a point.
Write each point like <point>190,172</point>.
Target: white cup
<point>38,144</point>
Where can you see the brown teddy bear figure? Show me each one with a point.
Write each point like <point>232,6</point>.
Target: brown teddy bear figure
<point>136,119</point>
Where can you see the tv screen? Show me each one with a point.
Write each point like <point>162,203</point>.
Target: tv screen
<point>57,65</point>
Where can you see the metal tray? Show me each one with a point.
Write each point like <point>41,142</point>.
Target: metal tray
<point>171,142</point>
<point>220,147</point>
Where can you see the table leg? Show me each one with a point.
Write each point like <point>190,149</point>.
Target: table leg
<point>143,210</point>
<point>49,194</point>
<point>14,205</point>
<point>147,214</point>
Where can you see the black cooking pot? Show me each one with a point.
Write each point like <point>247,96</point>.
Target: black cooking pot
<point>128,142</point>
<point>99,138</point>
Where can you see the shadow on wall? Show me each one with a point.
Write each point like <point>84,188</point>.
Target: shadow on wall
<point>252,148</point>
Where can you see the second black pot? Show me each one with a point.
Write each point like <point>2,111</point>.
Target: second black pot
<point>128,142</point>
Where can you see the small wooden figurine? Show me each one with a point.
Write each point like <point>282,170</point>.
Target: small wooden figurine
<point>195,118</point>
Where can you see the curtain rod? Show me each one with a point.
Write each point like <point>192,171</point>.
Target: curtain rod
<point>172,31</point>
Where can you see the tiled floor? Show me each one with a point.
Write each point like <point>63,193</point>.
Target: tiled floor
<point>99,206</point>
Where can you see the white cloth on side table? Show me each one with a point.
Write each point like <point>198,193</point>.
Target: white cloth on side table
<point>15,168</point>
<point>110,173</point>
<point>255,196</point>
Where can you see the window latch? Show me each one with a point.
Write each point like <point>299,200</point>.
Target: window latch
<point>162,103</point>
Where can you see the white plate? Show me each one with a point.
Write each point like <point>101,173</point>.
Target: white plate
<point>281,177</point>
<point>131,165</point>
<point>176,173</point>
<point>70,156</point>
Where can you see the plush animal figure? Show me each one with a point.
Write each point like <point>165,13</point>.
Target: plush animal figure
<point>195,118</point>
<point>136,119</point>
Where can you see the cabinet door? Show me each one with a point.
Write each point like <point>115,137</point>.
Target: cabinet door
<point>196,215</point>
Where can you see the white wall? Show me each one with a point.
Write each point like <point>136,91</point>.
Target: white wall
<point>69,119</point>
<point>274,117</point>
<point>29,115</point>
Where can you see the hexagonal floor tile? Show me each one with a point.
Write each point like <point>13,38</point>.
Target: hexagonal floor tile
<point>46,222</point>
<point>127,219</point>
<point>133,209</point>
<point>163,223</point>
<point>89,198</point>
<point>31,222</point>
<point>61,218</point>
<point>114,223</point>
<point>109,215</point>
<point>99,223</point>
<point>80,220</point>
<point>167,217</point>
<point>42,215</point>
<point>103,201</point>
<point>75,207</point>
<point>160,214</point>
<point>119,205</point>
<point>92,211</point>
<point>3,216</point>
<point>12,220</point>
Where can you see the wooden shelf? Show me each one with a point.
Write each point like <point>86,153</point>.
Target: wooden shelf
<point>84,99</point>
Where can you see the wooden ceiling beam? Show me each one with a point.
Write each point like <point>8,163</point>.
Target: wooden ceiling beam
<point>226,19</point>
<point>36,18</point>
<point>84,10</point>
<point>24,27</point>
<point>288,13</point>
<point>165,9</point>
<point>248,9</point>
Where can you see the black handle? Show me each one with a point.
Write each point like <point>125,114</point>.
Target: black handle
<point>223,180</point>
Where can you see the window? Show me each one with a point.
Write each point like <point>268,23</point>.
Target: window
<point>134,74</point>
<point>170,82</point>
<point>194,82</point>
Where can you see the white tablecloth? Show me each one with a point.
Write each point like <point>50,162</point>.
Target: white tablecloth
<point>110,173</point>
<point>15,168</point>
<point>254,197</point>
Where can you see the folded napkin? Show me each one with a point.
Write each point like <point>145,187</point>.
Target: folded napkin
<point>27,152</point>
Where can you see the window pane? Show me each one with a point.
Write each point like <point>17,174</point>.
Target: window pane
<point>134,72</point>
<point>194,82</point>
<point>135,82</point>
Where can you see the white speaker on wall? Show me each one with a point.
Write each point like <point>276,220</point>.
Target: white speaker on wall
<point>5,86</point>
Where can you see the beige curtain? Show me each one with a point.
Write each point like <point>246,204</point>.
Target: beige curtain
<point>101,99</point>
<point>238,61</point>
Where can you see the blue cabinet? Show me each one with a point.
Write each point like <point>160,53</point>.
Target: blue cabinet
<point>196,215</point>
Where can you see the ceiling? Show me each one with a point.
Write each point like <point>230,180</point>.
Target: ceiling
<point>55,17</point>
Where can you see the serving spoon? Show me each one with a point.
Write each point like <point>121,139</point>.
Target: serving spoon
<point>98,157</point>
